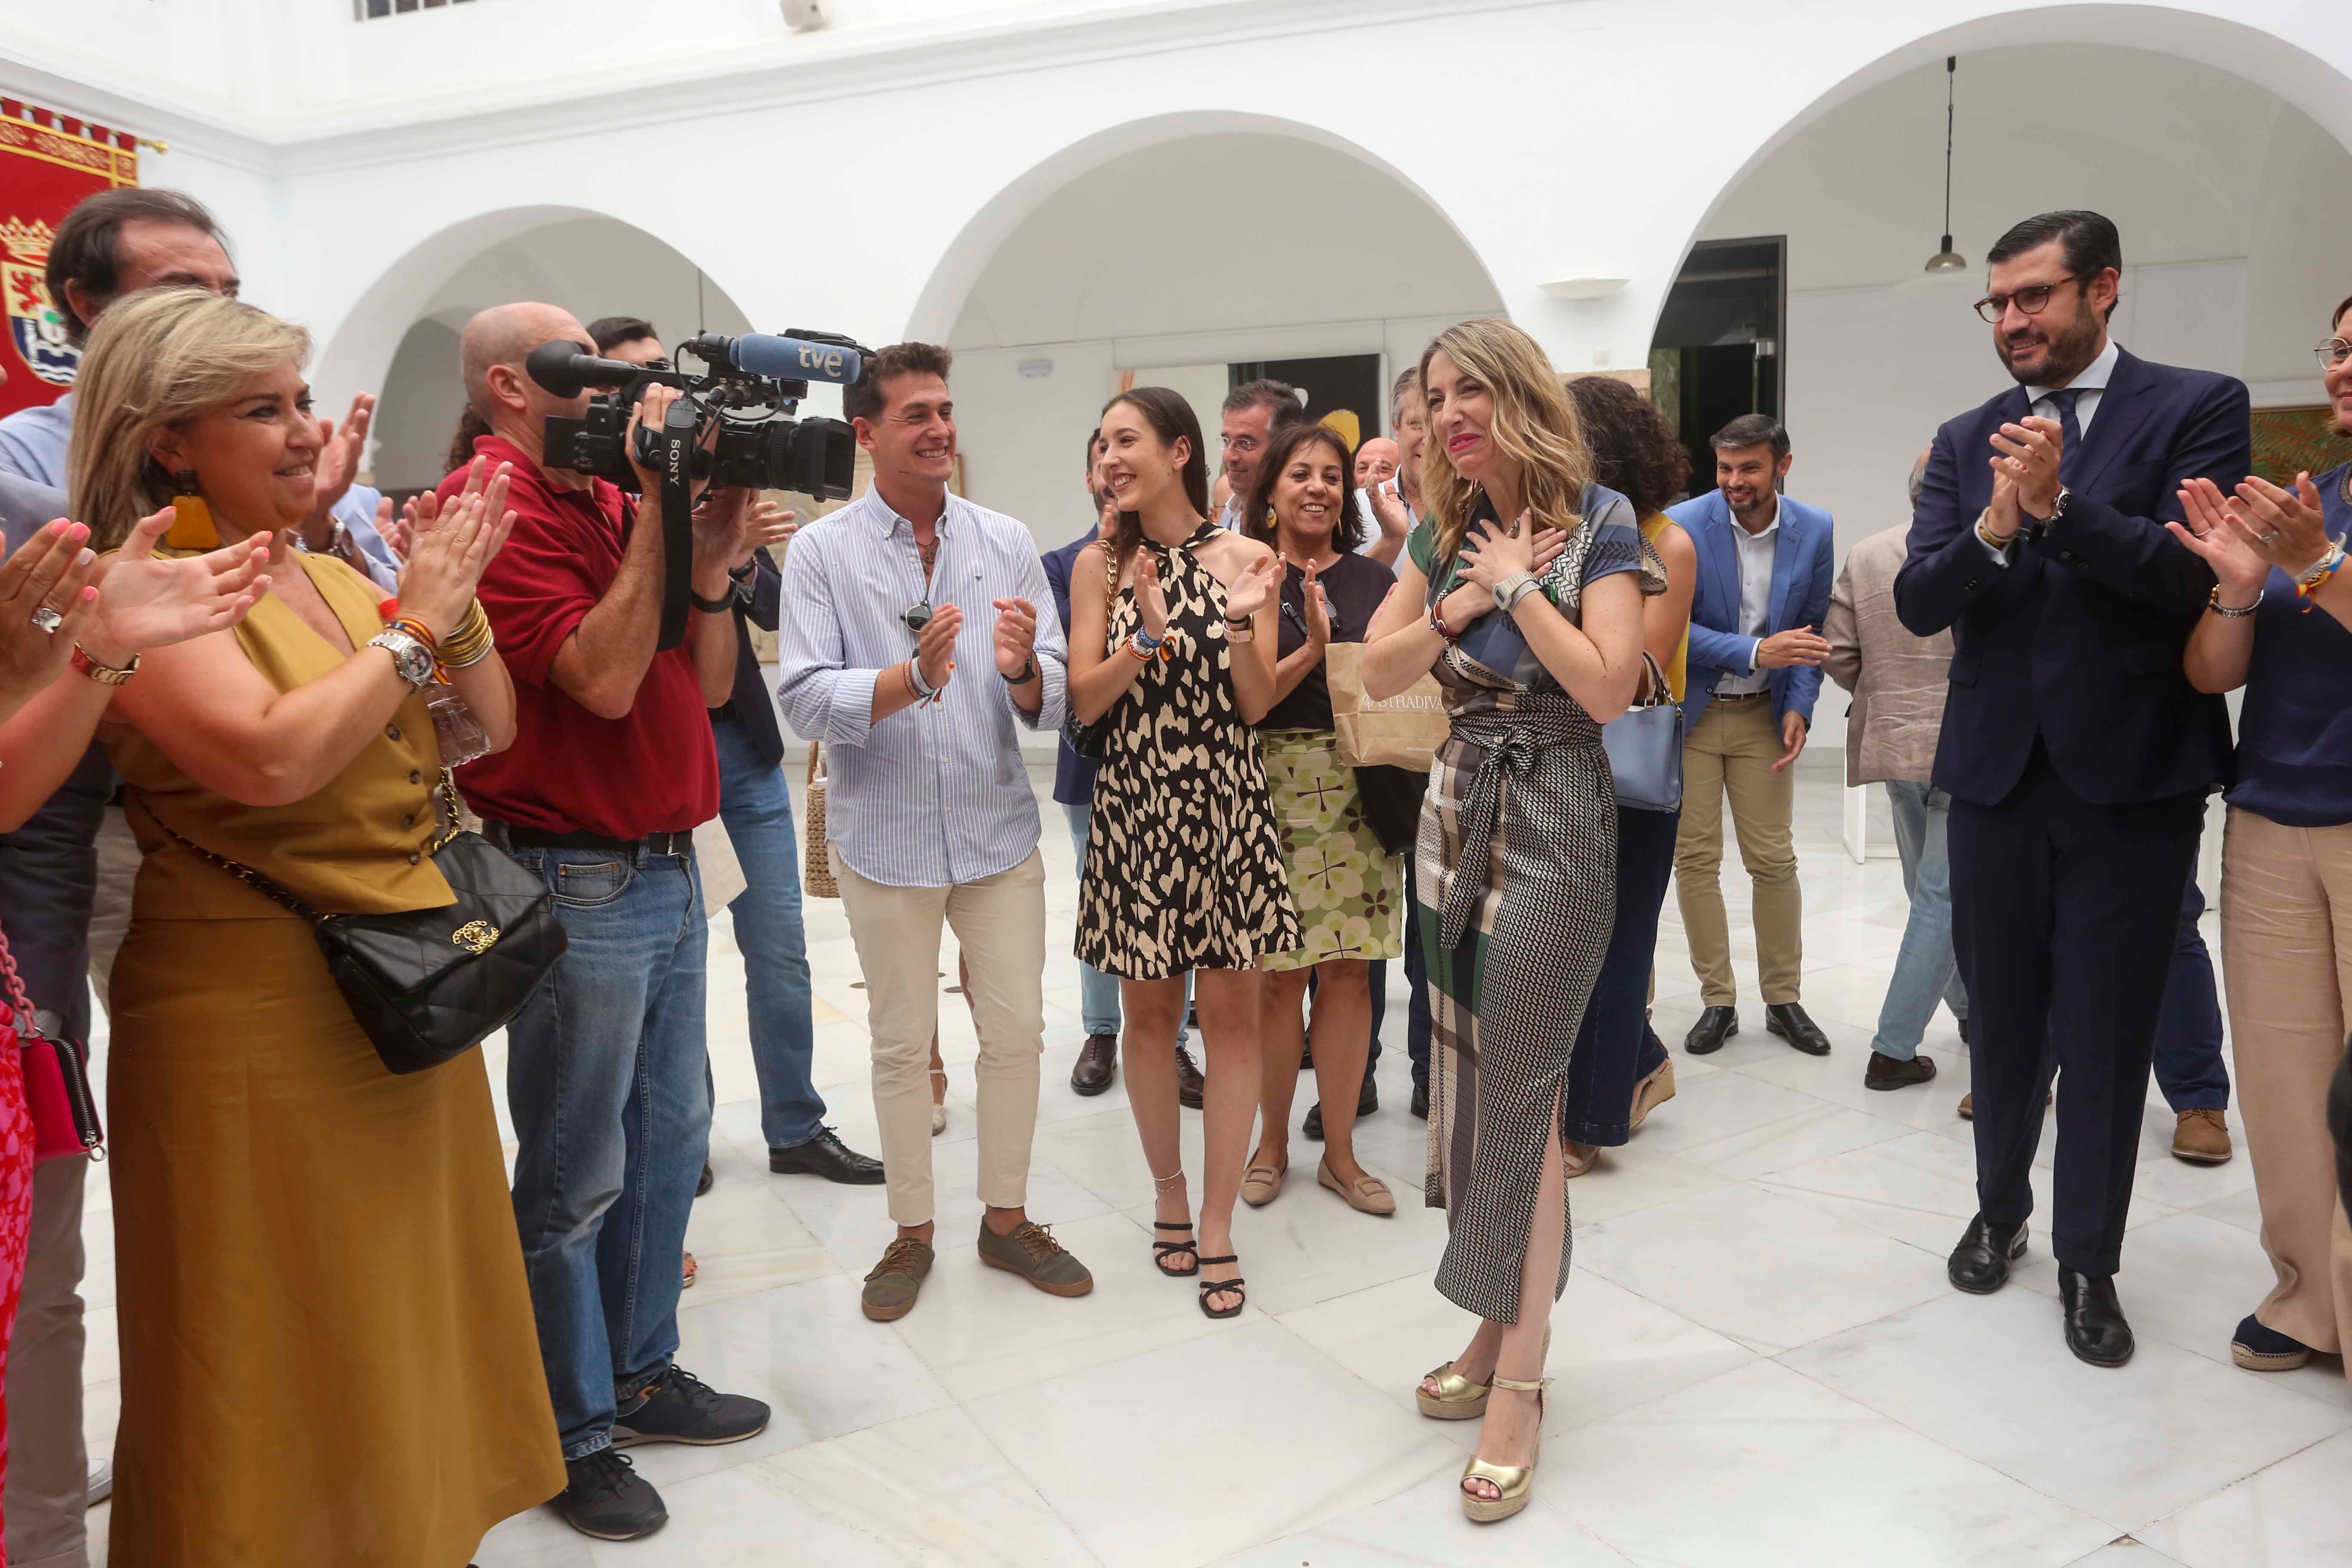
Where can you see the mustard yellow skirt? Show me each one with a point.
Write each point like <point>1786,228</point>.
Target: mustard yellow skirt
<point>328,1348</point>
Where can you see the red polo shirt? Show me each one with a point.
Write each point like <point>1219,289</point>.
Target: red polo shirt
<point>654,771</point>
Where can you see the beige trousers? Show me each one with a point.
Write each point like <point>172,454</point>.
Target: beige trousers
<point>2286,955</point>
<point>1001,922</point>
<point>1730,751</point>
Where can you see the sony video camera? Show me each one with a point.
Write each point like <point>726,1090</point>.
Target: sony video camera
<point>750,390</point>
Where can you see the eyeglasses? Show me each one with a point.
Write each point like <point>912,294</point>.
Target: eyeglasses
<point>2032,300</point>
<point>2333,352</point>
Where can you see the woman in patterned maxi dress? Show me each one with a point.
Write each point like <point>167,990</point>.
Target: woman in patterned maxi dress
<point>1172,642</point>
<point>1534,630</point>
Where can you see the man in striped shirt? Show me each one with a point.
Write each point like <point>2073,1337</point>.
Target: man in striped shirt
<point>911,646</point>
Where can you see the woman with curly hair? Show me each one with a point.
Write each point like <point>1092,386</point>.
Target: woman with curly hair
<point>1521,590</point>
<point>1620,1071</point>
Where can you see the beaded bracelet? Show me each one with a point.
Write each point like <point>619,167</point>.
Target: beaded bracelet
<point>2311,581</point>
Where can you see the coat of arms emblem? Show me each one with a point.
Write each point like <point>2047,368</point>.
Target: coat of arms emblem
<point>35,326</point>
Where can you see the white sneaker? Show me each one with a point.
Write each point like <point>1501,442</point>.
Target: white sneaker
<point>101,1480</point>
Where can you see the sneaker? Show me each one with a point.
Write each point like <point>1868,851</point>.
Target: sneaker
<point>1031,1251</point>
<point>893,1283</point>
<point>605,1497</point>
<point>2258,1349</point>
<point>679,1407</point>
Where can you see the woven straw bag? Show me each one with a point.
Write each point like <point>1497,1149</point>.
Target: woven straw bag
<point>816,861</point>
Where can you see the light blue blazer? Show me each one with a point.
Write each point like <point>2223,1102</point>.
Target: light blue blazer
<point>1802,566</point>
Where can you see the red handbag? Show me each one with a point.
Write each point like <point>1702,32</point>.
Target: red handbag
<point>57,1076</point>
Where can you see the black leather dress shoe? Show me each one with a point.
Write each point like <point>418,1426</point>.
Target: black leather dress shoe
<point>1420,1101</point>
<point>1714,1025</point>
<point>1980,1264</point>
<point>1788,1020</point>
<point>2096,1329</point>
<point>1367,1101</point>
<point>826,1155</point>
<point>1189,1081</point>
<point>1098,1064</point>
<point>1892,1072</point>
<point>703,1185</point>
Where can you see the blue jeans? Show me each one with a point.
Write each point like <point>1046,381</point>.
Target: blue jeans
<point>1924,968</point>
<point>756,806</point>
<point>608,1079</point>
<point>1615,1048</point>
<point>1098,992</point>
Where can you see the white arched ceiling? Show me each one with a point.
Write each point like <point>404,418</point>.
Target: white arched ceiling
<point>592,266</point>
<point>1172,203</point>
<point>1219,231</point>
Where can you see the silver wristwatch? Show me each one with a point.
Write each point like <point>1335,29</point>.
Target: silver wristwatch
<point>411,658</point>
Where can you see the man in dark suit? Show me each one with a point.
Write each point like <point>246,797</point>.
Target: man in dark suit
<point>2076,754</point>
<point>1765,562</point>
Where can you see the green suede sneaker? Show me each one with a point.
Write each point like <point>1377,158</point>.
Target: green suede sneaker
<point>1031,1252</point>
<point>892,1288</point>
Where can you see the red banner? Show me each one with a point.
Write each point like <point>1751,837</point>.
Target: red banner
<point>48,162</point>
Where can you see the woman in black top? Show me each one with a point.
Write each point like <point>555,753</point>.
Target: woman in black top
<point>1350,890</point>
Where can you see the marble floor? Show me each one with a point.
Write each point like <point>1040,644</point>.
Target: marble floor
<point>1758,1361</point>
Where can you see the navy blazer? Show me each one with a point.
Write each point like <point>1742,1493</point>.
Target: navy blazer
<point>1074,775</point>
<point>758,601</point>
<point>1804,557</point>
<point>2079,639</point>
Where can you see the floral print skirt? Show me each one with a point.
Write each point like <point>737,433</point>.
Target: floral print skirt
<point>1349,891</point>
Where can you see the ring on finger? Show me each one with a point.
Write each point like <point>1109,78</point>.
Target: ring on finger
<point>47,619</point>
<point>2267,538</point>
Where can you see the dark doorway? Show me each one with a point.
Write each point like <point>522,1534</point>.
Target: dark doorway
<point>1718,351</point>
<point>1337,383</point>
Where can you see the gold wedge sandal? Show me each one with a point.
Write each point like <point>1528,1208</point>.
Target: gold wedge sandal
<point>1516,1483</point>
<point>1457,1398</point>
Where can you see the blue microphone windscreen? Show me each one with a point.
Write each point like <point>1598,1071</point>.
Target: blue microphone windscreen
<point>795,359</point>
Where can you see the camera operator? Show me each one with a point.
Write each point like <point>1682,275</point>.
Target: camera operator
<point>612,769</point>
<point>756,806</point>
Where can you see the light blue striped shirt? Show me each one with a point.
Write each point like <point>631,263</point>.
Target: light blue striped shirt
<point>937,794</point>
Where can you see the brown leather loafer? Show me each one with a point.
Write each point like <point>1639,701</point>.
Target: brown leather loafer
<point>1893,1072</point>
<point>2202,1137</point>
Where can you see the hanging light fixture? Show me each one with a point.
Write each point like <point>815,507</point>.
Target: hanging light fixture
<point>1947,260</point>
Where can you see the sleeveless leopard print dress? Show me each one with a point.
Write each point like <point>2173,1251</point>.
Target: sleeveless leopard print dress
<point>1184,857</point>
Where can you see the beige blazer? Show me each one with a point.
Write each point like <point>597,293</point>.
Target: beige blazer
<point>1898,681</point>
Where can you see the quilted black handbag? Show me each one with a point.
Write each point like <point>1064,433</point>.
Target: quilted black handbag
<point>428,985</point>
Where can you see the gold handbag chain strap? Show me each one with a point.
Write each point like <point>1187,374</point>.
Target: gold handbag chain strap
<point>446,793</point>
<point>246,874</point>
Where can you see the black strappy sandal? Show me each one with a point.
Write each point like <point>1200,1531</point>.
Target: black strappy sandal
<point>1217,1287</point>
<point>1161,1251</point>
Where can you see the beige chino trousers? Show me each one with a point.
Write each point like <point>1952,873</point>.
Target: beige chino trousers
<point>1001,922</point>
<point>1730,751</point>
<point>2286,956</point>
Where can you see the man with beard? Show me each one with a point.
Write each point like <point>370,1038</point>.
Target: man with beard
<point>2076,754</point>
